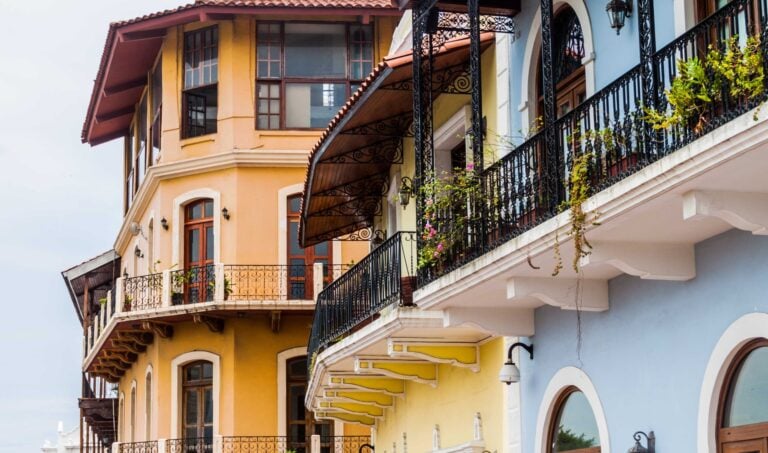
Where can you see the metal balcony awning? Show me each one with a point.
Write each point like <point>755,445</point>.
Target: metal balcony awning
<point>348,171</point>
<point>97,275</point>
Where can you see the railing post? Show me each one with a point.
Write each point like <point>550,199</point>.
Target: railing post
<point>218,278</point>
<point>162,445</point>
<point>119,294</point>
<point>317,279</point>
<point>115,447</point>
<point>218,440</point>
<point>314,443</point>
<point>648,75</point>
<point>90,338</point>
<point>165,289</point>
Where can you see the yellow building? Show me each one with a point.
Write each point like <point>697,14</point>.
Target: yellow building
<point>196,323</point>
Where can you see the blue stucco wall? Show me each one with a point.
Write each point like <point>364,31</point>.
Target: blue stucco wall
<point>647,354</point>
<point>614,55</point>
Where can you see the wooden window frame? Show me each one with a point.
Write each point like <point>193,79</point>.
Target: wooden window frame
<point>284,80</point>
<point>309,419</point>
<point>192,89</point>
<point>308,256</point>
<point>156,111</point>
<point>754,435</point>
<point>202,224</point>
<point>552,428</point>
<point>200,386</point>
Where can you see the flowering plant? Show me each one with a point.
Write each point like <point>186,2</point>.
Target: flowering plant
<point>448,212</point>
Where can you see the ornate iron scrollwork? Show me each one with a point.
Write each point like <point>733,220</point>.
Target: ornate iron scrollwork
<point>388,151</point>
<point>357,207</point>
<point>394,126</point>
<point>459,22</point>
<point>368,186</point>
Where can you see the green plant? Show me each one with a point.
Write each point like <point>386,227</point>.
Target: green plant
<point>103,301</point>
<point>127,302</point>
<point>578,193</point>
<point>447,213</point>
<point>227,286</point>
<point>699,83</point>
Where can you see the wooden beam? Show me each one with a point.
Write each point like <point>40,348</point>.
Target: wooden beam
<point>161,329</point>
<point>142,338</point>
<point>114,114</point>
<point>142,34</point>
<point>274,321</point>
<point>129,345</point>
<point>125,86</point>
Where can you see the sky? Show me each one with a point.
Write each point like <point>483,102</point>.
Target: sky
<point>59,203</point>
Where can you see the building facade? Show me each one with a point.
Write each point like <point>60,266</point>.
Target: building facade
<point>600,250</point>
<point>196,323</point>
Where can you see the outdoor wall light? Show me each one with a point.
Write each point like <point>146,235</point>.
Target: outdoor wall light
<point>650,442</point>
<point>164,224</point>
<point>618,11</point>
<point>509,372</point>
<point>225,213</point>
<point>125,273</point>
<point>406,191</point>
<point>378,237</point>
<point>137,252</point>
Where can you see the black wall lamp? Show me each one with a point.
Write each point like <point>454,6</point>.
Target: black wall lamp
<point>164,224</point>
<point>378,237</point>
<point>225,213</point>
<point>618,11</point>
<point>510,373</point>
<point>137,252</point>
<point>650,442</point>
<point>406,191</point>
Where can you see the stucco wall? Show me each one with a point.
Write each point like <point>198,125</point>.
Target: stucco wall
<point>647,355</point>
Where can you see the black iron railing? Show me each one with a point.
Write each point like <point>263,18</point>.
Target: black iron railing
<point>275,282</point>
<point>139,447</point>
<point>254,444</point>
<point>386,276</point>
<point>143,292</point>
<point>193,285</point>
<point>345,444</point>
<point>529,184</point>
<point>189,445</point>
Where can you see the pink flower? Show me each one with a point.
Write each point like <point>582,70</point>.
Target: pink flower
<point>428,225</point>
<point>470,166</point>
<point>440,247</point>
<point>436,254</point>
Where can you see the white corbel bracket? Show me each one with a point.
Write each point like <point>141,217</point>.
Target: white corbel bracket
<point>509,322</point>
<point>566,293</point>
<point>655,261</point>
<point>743,210</point>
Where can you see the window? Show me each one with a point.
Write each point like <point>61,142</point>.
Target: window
<point>300,281</point>
<point>133,414</point>
<point>198,252</point>
<point>306,71</point>
<point>201,72</point>
<point>156,112</point>
<point>129,187</point>
<point>148,408</point>
<point>744,403</point>
<point>301,422</point>
<point>705,8</point>
<point>574,428</point>
<point>197,387</point>
<point>141,152</point>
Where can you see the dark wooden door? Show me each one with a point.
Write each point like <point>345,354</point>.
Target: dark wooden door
<point>198,407</point>
<point>300,260</point>
<point>198,251</point>
<point>301,422</point>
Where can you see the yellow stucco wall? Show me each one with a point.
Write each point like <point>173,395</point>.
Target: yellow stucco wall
<point>452,405</point>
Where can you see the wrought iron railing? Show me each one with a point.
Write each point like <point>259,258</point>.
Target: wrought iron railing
<point>189,445</point>
<point>139,447</point>
<point>254,444</point>
<point>274,282</point>
<point>529,184</point>
<point>386,276</point>
<point>346,444</point>
<point>143,292</point>
<point>193,285</point>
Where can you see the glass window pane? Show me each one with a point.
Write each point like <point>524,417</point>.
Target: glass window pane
<point>209,243</point>
<point>207,370</point>
<point>296,402</point>
<point>315,50</point>
<point>209,208</point>
<point>298,266</point>
<point>262,122</point>
<point>313,104</point>
<point>321,249</point>
<point>194,246</point>
<point>295,204</point>
<point>293,238</point>
<point>191,415</point>
<point>748,399</point>
<point>207,405</point>
<point>193,373</point>
<point>576,426</point>
<point>195,211</point>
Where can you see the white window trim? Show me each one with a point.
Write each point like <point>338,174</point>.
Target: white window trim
<point>282,225</point>
<point>282,392</point>
<point>176,364</point>
<point>177,226</point>
<point>153,412</point>
<point>121,417</point>
<point>134,401</point>
<point>685,15</point>
<point>562,380</point>
<point>738,334</point>
<point>533,49</point>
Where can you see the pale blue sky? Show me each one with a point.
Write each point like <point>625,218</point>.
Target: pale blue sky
<point>59,202</point>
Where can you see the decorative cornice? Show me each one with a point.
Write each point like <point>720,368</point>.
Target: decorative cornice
<point>187,167</point>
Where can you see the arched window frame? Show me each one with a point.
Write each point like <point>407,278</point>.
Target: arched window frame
<point>559,405</point>
<point>177,365</point>
<point>148,403</point>
<point>177,224</point>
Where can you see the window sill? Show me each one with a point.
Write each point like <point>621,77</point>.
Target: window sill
<point>292,132</point>
<point>200,139</point>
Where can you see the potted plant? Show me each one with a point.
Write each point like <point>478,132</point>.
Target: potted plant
<point>227,287</point>
<point>179,281</point>
<point>127,302</point>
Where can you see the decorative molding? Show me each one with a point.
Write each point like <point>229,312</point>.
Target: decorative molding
<point>386,385</point>
<point>459,354</point>
<point>566,293</point>
<point>562,380</point>
<point>369,410</point>
<point>738,334</point>
<point>745,211</point>
<point>345,417</point>
<point>502,321</point>
<point>375,398</point>
<point>177,227</point>
<point>282,376</point>
<point>659,261</point>
<point>419,371</point>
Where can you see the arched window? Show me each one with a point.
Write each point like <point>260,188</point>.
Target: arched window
<point>744,402</point>
<point>197,405</point>
<point>301,422</point>
<point>300,260</point>
<point>148,408</point>
<point>568,53</point>
<point>198,251</point>
<point>573,428</point>
<point>133,414</point>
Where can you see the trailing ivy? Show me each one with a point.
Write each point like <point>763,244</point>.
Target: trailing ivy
<point>578,194</point>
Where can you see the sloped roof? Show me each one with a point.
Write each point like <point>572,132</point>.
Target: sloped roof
<point>132,46</point>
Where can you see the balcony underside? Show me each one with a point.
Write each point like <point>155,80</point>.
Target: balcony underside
<point>648,225</point>
<point>358,377</point>
<point>101,415</point>
<point>128,334</point>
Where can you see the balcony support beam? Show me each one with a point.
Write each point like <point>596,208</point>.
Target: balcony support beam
<point>510,322</point>
<point>345,417</point>
<point>359,396</point>
<point>383,384</point>
<point>357,408</point>
<point>745,211</point>
<point>459,354</point>
<point>566,293</point>
<point>410,370</point>
<point>675,262</point>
